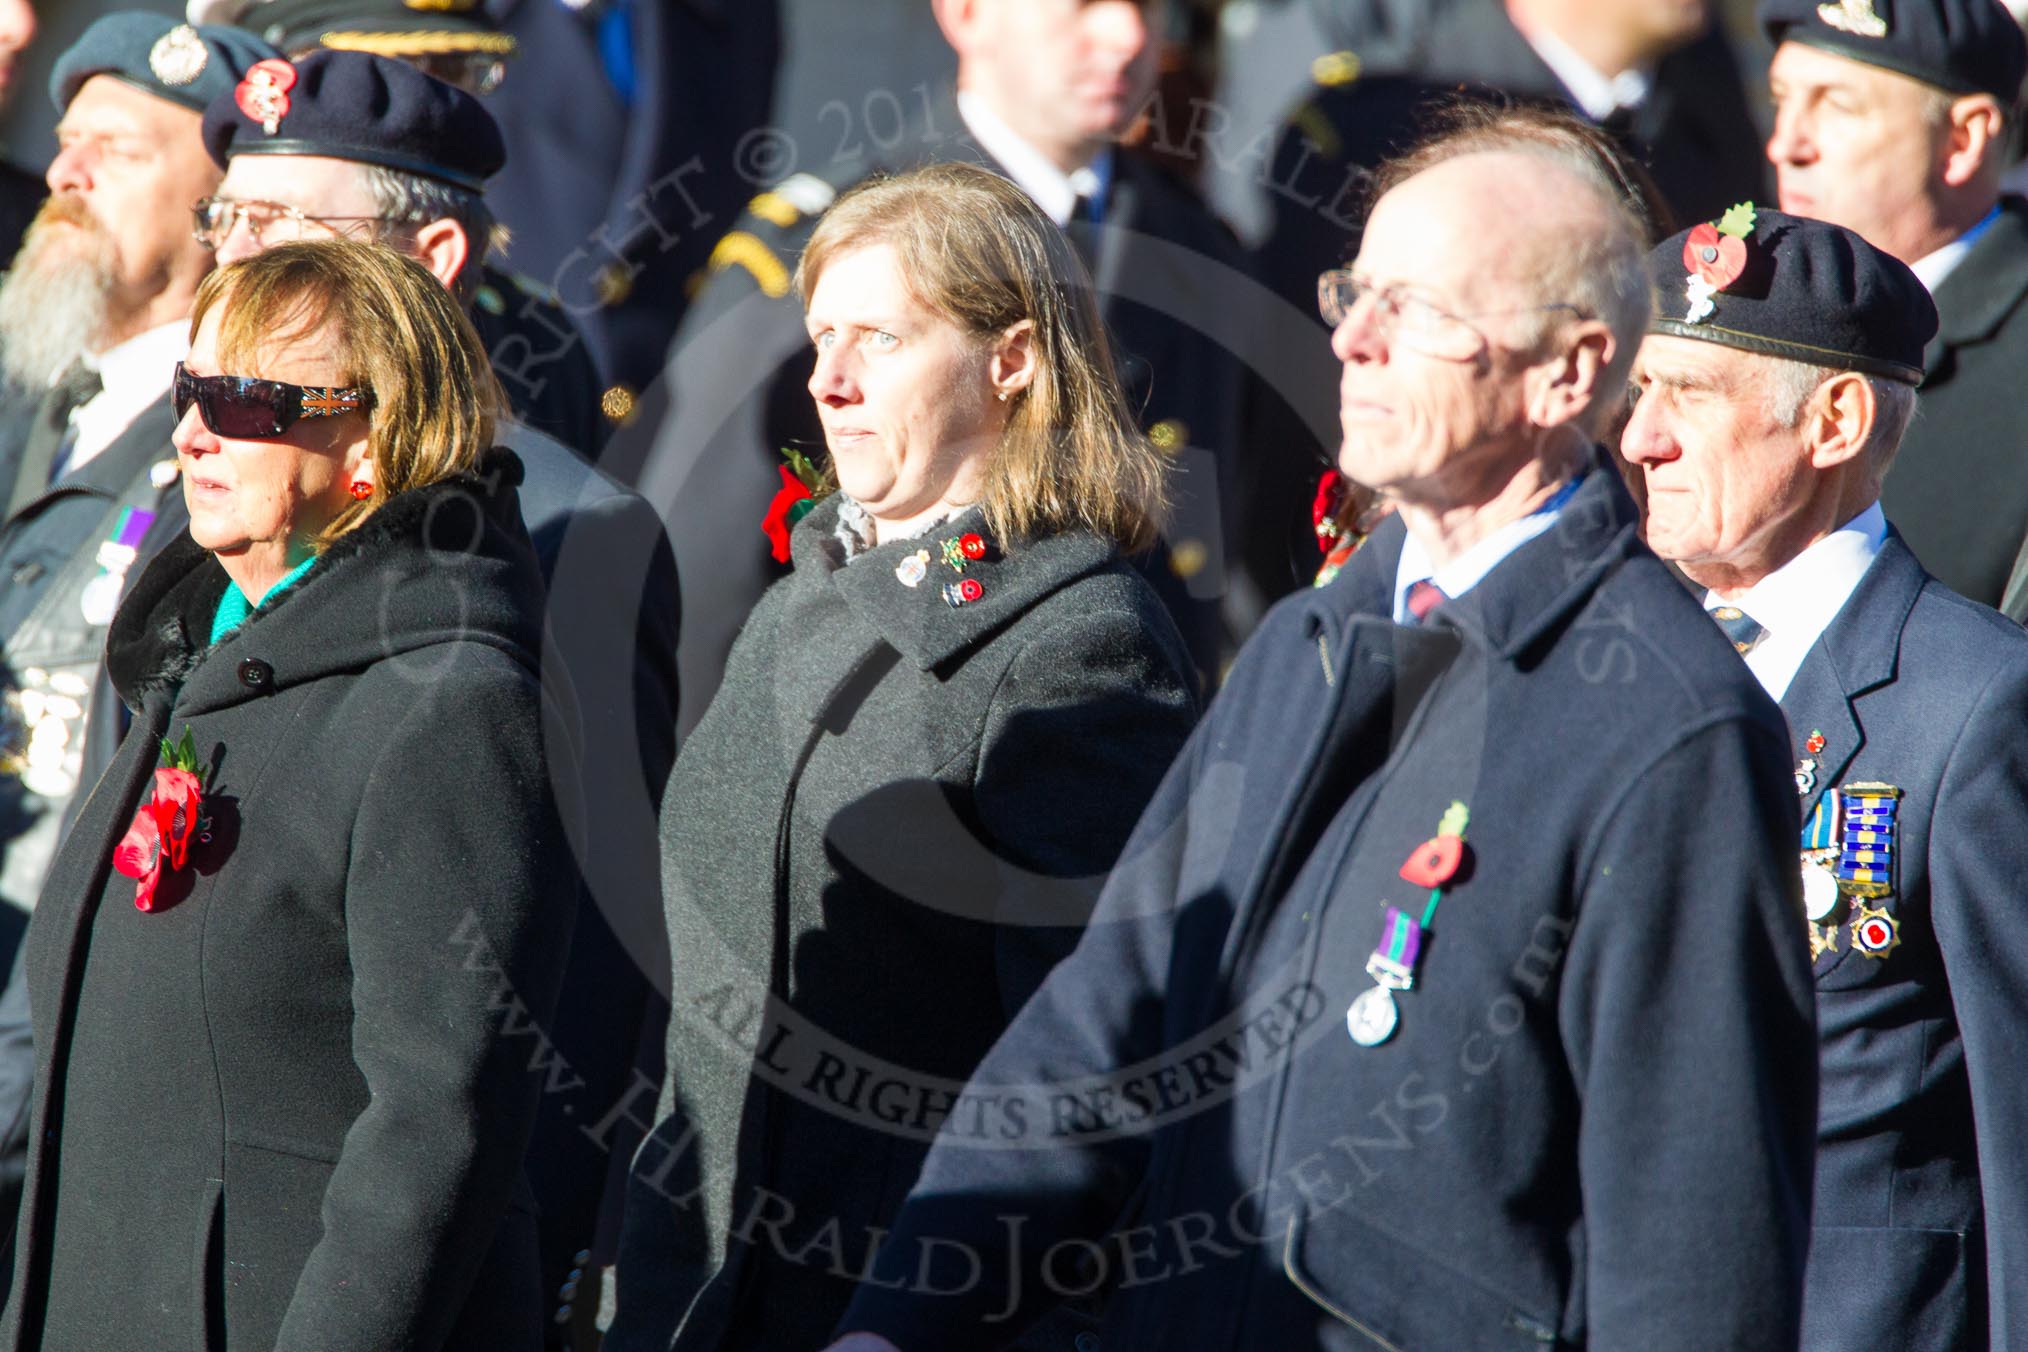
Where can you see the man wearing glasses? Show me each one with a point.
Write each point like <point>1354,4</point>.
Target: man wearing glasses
<point>1448,994</point>
<point>339,165</point>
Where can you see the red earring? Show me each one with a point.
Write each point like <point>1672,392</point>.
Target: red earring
<point>361,489</point>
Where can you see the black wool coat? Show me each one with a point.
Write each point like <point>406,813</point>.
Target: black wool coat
<point>286,1109</point>
<point>888,827</point>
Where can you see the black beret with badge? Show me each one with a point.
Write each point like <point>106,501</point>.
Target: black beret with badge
<point>398,28</point>
<point>186,64</point>
<point>1963,46</point>
<point>1788,286</point>
<point>367,109</point>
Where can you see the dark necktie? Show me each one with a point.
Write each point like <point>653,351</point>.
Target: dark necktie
<point>49,435</point>
<point>1743,629</point>
<point>1423,597</point>
<point>1083,228</point>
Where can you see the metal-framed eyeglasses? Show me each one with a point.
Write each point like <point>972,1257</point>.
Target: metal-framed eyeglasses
<point>1415,324</point>
<point>266,222</point>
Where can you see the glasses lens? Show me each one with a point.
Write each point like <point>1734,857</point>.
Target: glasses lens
<point>1423,328</point>
<point>1336,295</point>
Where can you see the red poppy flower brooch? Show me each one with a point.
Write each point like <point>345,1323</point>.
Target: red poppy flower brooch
<point>801,486</point>
<point>160,837</point>
<point>1715,255</point>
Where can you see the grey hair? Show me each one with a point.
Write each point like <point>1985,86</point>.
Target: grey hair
<point>1788,386</point>
<point>405,199</point>
<point>1604,274</point>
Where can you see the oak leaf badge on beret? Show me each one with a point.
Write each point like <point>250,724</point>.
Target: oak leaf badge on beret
<point>1715,254</point>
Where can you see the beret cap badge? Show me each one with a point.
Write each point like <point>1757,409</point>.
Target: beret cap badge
<point>264,94</point>
<point>178,56</point>
<point>1715,256</point>
<point>1853,16</point>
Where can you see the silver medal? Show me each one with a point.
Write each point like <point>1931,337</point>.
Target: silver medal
<point>1820,890</point>
<point>1372,1017</point>
<point>101,599</point>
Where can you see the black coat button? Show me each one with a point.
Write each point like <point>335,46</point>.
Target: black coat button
<point>255,674</point>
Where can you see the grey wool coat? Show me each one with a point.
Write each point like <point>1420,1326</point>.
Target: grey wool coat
<point>285,1110</point>
<point>888,827</point>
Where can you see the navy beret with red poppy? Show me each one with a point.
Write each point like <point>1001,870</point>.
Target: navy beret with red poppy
<point>359,107</point>
<point>1963,46</point>
<point>1788,286</point>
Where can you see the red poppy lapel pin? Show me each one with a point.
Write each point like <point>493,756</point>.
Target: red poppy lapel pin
<point>1715,254</point>
<point>801,486</point>
<point>160,835</point>
<point>264,94</point>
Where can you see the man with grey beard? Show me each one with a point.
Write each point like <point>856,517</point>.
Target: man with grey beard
<point>93,318</point>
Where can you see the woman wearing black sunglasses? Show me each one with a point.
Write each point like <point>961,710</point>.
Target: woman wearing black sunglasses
<point>276,1106</point>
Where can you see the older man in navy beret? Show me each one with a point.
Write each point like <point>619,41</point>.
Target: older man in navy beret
<point>1898,121</point>
<point>1774,388</point>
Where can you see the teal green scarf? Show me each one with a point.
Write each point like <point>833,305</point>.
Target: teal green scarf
<point>233,607</point>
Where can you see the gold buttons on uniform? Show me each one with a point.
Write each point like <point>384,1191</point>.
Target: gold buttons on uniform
<point>1335,68</point>
<point>617,403</point>
<point>614,284</point>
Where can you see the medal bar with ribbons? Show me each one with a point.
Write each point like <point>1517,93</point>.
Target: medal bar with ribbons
<point>1372,1018</point>
<point>1866,845</point>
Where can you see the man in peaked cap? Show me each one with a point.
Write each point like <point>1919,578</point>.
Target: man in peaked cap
<point>1772,394</point>
<point>344,142</point>
<point>454,40</point>
<point>1044,92</point>
<point>1896,120</point>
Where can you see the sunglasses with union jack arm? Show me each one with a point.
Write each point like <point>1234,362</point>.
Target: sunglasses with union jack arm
<point>258,410</point>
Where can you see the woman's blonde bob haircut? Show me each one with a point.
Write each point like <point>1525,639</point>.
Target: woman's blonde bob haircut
<point>974,249</point>
<point>390,326</point>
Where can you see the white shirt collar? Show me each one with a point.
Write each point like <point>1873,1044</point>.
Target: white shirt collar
<point>1468,569</point>
<point>1598,96</point>
<point>136,374</point>
<point>1932,268</point>
<point>1797,601</point>
<point>1032,171</point>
